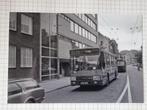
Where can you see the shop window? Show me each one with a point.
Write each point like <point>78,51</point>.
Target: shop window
<point>53,42</point>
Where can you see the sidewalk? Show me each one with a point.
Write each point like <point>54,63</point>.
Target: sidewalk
<point>55,84</point>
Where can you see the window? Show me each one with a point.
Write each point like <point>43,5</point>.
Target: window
<point>83,17</point>
<point>86,34</point>
<point>26,24</point>
<point>86,19</point>
<point>72,26</point>
<point>84,45</point>
<point>13,19</point>
<point>76,44</point>
<point>90,36</point>
<point>94,26</point>
<point>76,28</point>
<point>89,21</point>
<point>12,57</point>
<point>80,31</point>
<point>93,38</point>
<point>80,45</point>
<point>26,57</point>
<point>53,42</point>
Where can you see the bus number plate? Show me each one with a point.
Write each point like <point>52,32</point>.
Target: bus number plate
<point>84,83</point>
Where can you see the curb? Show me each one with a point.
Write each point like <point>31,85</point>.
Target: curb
<point>57,88</point>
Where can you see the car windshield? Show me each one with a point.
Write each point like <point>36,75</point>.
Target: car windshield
<point>86,63</point>
<point>13,88</point>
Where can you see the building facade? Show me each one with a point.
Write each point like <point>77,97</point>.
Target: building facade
<point>106,41</point>
<point>39,43</point>
<point>24,36</point>
<point>109,44</point>
<point>130,56</point>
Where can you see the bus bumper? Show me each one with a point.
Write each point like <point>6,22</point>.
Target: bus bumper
<point>75,83</point>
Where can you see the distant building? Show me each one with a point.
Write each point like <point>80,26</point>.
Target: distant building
<point>130,56</point>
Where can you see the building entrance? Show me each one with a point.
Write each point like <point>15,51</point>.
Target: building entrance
<point>64,68</point>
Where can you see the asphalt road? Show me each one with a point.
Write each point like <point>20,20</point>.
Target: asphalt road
<point>110,94</point>
<point>136,84</point>
<point>75,94</point>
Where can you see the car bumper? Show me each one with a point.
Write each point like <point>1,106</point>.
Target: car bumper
<point>121,69</point>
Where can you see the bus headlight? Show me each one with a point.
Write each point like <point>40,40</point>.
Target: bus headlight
<point>96,77</point>
<point>73,78</point>
<point>74,72</point>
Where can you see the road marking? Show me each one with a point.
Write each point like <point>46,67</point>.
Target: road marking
<point>127,87</point>
<point>122,94</point>
<point>129,90</point>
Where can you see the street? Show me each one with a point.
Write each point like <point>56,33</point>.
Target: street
<point>109,94</point>
<point>136,85</point>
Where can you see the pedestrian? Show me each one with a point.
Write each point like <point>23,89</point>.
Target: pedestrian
<point>101,57</point>
<point>102,48</point>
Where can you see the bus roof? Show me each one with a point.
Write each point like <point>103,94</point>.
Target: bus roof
<point>87,51</point>
<point>84,51</point>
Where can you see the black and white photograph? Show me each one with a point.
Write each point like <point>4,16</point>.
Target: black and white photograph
<point>75,58</point>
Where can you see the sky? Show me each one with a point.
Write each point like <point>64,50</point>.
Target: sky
<point>125,29</point>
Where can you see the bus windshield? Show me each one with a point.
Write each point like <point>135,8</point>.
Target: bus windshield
<point>87,59</point>
<point>86,63</point>
<point>121,63</point>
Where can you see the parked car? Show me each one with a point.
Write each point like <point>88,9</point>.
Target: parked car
<point>25,91</point>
